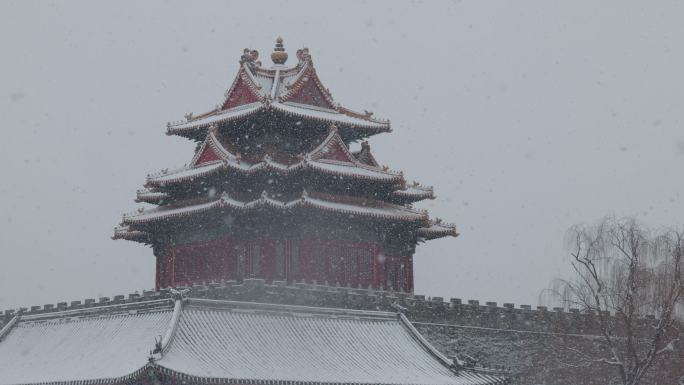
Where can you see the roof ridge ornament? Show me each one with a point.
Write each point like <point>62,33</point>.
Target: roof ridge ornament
<point>162,343</point>
<point>279,56</point>
<point>178,295</point>
<point>249,57</point>
<point>303,55</point>
<point>400,309</point>
<point>267,101</point>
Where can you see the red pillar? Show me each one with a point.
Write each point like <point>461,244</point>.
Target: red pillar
<point>409,274</point>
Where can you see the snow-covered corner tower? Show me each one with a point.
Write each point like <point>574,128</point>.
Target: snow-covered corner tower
<point>274,192</point>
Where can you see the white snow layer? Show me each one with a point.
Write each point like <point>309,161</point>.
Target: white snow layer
<point>291,108</point>
<point>79,348</point>
<point>307,111</point>
<point>234,341</point>
<point>287,346</point>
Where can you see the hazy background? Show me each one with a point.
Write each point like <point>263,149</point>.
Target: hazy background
<point>526,116</point>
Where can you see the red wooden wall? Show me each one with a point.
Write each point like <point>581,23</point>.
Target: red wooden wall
<point>313,259</point>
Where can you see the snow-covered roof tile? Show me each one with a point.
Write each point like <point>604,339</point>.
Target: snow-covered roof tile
<point>355,170</point>
<point>125,232</point>
<point>292,344</point>
<point>437,229</point>
<point>273,88</point>
<point>327,115</point>
<point>213,341</point>
<point>377,210</point>
<point>313,160</point>
<point>185,173</point>
<point>106,345</point>
<point>410,193</point>
<point>145,195</point>
<point>215,118</point>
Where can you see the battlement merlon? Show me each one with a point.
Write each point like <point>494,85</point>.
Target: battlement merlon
<point>417,308</point>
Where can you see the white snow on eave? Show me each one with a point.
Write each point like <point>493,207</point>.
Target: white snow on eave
<point>318,113</point>
<point>297,109</point>
<point>353,170</point>
<point>187,172</point>
<point>166,211</point>
<point>387,211</point>
<point>218,117</point>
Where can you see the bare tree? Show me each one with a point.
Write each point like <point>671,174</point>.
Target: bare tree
<point>625,271</point>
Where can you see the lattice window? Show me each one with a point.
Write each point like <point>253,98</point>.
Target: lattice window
<point>253,259</point>
<point>240,259</point>
<point>319,260</point>
<point>294,261</point>
<point>366,259</point>
<point>335,264</point>
<point>401,277</point>
<point>350,262</point>
<point>280,259</point>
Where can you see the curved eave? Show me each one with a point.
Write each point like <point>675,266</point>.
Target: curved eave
<point>185,174</point>
<point>192,127</point>
<point>315,160</point>
<point>225,203</point>
<point>124,232</point>
<point>332,116</point>
<point>325,167</point>
<point>413,194</point>
<point>196,127</point>
<point>148,196</point>
<point>437,230</point>
<point>466,377</point>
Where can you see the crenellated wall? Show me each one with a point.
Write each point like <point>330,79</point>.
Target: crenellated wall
<point>534,344</point>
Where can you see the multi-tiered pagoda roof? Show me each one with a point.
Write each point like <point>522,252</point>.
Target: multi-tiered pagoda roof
<point>272,194</point>
<point>276,151</point>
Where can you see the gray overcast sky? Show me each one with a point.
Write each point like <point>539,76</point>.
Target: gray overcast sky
<point>526,116</point>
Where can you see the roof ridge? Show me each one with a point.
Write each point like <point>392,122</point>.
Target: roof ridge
<point>179,296</point>
<point>275,307</point>
<point>6,329</point>
<point>424,343</point>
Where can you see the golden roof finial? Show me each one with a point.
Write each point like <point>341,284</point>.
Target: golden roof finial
<point>279,56</point>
